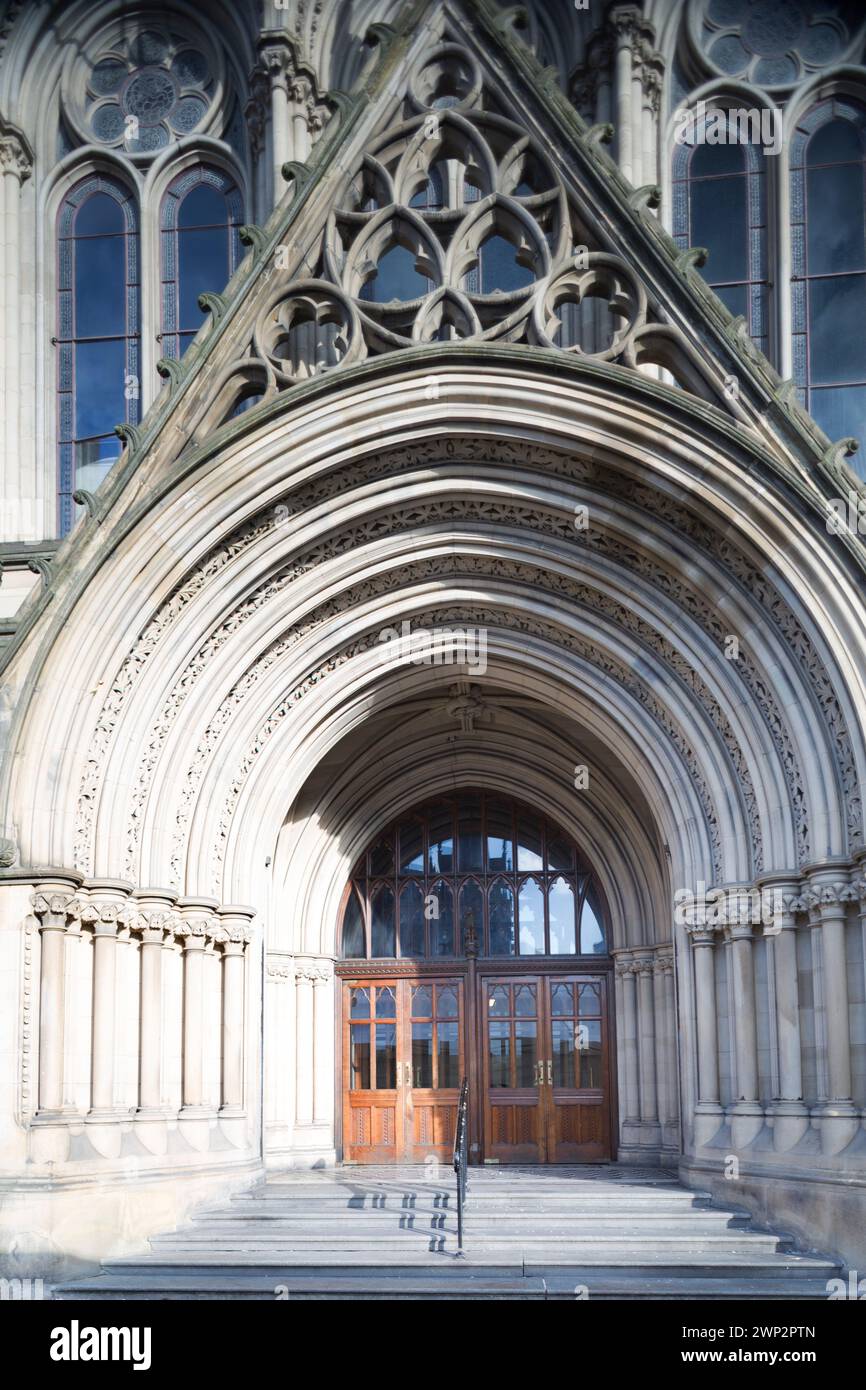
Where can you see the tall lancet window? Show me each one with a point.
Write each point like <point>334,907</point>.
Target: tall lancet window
<point>720,202</point>
<point>202,213</point>
<point>98,333</point>
<point>828,262</point>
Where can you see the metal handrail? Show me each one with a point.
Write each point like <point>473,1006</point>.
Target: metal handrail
<point>461,1157</point>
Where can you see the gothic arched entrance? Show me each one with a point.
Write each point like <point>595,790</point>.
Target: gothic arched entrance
<point>474,943</point>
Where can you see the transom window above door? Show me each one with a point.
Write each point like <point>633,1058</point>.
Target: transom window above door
<point>472,874</point>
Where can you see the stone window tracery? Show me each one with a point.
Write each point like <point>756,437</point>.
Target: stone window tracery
<point>776,43</point>
<point>144,89</point>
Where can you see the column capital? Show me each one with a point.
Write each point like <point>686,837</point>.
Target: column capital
<point>16,156</point>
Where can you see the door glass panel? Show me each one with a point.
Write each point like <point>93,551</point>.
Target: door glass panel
<point>359,1003</point>
<point>501,920</point>
<point>524,1001</point>
<point>382,923</point>
<point>529,843</point>
<point>448,1059</point>
<point>560,905</point>
<point>422,1055</point>
<point>471,914</point>
<point>589,1044</point>
<point>531,914</point>
<point>563,1041</point>
<point>359,1059</point>
<point>497,1002</point>
<point>446,1001</point>
<point>561,1000</point>
<point>441,853</point>
<point>386,1056</point>
<point>386,1001</point>
<point>422,1001</point>
<point>469,859</point>
<point>589,1000</point>
<point>500,1054</point>
<point>412,921</point>
<point>411,848</point>
<point>500,838</point>
<point>526,1052</point>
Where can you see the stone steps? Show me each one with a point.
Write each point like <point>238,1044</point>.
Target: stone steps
<point>529,1234</point>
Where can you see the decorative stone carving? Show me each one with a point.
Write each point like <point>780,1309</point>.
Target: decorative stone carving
<point>777,42</point>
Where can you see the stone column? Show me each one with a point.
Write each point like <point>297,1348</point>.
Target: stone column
<point>708,1111</point>
<point>16,165</point>
<point>624,21</point>
<point>838,1118</point>
<point>643,966</point>
<point>52,903</point>
<point>323,1009</point>
<point>101,914</point>
<point>236,933</point>
<point>790,1114</point>
<point>278,63</point>
<point>305,976</point>
<point>628,1040</point>
<point>747,1116</point>
<point>197,922</point>
<point>257,113</point>
<point>156,924</point>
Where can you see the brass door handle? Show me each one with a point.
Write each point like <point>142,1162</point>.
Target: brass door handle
<point>549,1071</point>
<point>539,1073</point>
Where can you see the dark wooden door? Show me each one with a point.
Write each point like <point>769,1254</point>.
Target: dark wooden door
<point>403,1061</point>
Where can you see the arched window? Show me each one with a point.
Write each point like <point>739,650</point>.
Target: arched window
<point>98,333</point>
<point>828,265</point>
<point>472,873</point>
<point>720,202</point>
<point>200,243</point>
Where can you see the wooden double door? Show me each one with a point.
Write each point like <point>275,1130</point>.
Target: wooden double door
<point>545,1069</point>
<point>535,1047</point>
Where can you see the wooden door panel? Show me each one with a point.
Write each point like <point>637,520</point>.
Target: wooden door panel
<point>372,1108</point>
<point>514,1129</point>
<point>576,1091</point>
<point>434,1048</point>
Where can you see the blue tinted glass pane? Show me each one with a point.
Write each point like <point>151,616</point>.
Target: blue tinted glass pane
<point>395,278</point>
<point>837,140</point>
<point>531,917</point>
<point>383,936</point>
<point>841,412</point>
<point>499,269</point>
<point>99,384</point>
<point>837,313</point>
<point>719,221</point>
<point>203,206</point>
<point>99,287</point>
<point>735,296</point>
<point>835,221</point>
<point>204,265</point>
<point>411,921</point>
<point>441,916</point>
<point>501,908</point>
<point>99,213</point>
<point>717,159</point>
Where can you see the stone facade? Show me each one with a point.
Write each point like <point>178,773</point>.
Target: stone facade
<point>196,692</point>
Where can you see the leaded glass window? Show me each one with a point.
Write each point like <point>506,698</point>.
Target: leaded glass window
<point>98,333</point>
<point>200,222</point>
<point>472,873</point>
